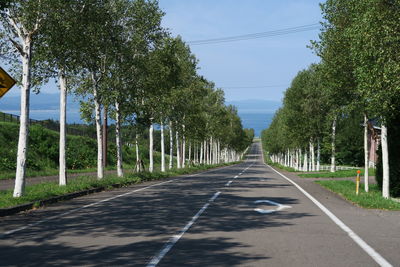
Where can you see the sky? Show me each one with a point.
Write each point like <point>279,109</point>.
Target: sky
<point>239,67</point>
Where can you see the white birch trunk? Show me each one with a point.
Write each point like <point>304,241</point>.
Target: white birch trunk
<point>100,169</point>
<point>196,153</point>
<point>225,156</point>
<point>385,162</point>
<point>208,152</point>
<point>219,152</point>
<point>305,166</point>
<point>62,169</point>
<point>287,158</point>
<point>137,148</point>
<point>312,156</point>
<point>205,152</point>
<point>118,142</point>
<point>151,143</point>
<point>310,153</point>
<point>183,147</point>
<point>366,154</point>
<point>212,148</point>
<point>189,153</point>
<point>194,150</point>
<point>162,148</point>
<point>333,160</point>
<point>171,146</point>
<point>183,152</point>
<point>201,153</point>
<point>178,158</point>
<point>300,155</point>
<point>291,159</point>
<point>318,156</point>
<point>19,187</point>
<point>215,152</point>
<point>284,160</point>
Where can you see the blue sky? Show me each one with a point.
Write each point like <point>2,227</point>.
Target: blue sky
<point>272,61</point>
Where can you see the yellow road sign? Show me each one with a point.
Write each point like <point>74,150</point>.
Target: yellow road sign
<point>6,82</point>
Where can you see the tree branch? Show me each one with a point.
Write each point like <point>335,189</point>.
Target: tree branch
<point>17,46</point>
<point>14,24</point>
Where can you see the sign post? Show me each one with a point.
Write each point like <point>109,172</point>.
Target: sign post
<point>358,181</point>
<point>6,82</point>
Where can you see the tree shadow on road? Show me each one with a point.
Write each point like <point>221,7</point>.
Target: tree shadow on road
<point>131,229</point>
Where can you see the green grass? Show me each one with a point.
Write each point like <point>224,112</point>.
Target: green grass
<point>269,162</point>
<point>337,174</point>
<point>49,172</point>
<point>289,169</point>
<point>43,191</point>
<point>371,200</point>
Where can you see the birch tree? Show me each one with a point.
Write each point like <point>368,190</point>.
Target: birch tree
<point>21,22</point>
<point>59,55</point>
<point>375,52</point>
<point>100,29</point>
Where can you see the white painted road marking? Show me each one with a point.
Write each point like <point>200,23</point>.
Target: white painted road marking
<point>367,248</point>
<point>175,238</point>
<point>279,206</point>
<point>228,183</point>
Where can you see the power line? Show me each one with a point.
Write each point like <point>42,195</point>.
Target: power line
<point>303,28</point>
<point>253,87</point>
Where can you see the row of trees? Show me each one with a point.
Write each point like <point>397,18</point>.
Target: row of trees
<point>115,55</point>
<point>359,73</point>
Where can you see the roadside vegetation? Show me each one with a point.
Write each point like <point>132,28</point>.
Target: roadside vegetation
<point>337,174</point>
<point>337,110</point>
<point>371,200</point>
<point>80,155</point>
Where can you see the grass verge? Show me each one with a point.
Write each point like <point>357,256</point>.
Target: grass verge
<point>47,190</point>
<point>270,163</point>
<point>371,200</point>
<point>337,174</point>
<point>50,172</point>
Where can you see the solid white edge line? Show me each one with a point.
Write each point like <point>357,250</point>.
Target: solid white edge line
<point>367,248</point>
<point>175,238</point>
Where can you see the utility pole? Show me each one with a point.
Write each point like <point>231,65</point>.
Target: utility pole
<point>105,126</point>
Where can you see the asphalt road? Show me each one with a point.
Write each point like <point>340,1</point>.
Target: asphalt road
<point>241,215</point>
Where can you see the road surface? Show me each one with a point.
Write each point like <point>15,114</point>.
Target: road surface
<point>242,215</point>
